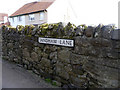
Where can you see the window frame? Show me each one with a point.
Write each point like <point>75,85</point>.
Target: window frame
<point>13,19</point>
<point>42,16</point>
<point>19,18</point>
<point>31,17</point>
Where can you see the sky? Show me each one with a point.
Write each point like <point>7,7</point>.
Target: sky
<point>90,12</point>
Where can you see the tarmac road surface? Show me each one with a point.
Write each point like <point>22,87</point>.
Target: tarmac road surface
<point>17,77</point>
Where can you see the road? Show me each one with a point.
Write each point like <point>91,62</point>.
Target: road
<point>17,77</point>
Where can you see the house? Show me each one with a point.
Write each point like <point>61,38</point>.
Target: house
<point>3,19</point>
<point>39,12</point>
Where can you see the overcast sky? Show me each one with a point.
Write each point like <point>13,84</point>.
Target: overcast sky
<point>87,11</point>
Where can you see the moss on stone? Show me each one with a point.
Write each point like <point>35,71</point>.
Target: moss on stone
<point>20,28</point>
<point>29,35</point>
<point>56,30</point>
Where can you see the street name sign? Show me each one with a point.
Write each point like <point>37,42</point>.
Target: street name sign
<point>54,41</point>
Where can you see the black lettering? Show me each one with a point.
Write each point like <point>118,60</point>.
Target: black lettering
<point>60,42</point>
<point>55,41</point>
<point>68,43</point>
<point>41,40</point>
<point>51,41</point>
<point>64,42</point>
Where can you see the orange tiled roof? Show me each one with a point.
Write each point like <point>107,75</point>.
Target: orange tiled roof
<point>32,7</point>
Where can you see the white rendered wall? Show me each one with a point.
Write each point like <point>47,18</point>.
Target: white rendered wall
<point>59,11</point>
<point>5,19</point>
<point>17,22</point>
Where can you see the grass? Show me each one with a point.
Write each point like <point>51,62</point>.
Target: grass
<point>48,80</point>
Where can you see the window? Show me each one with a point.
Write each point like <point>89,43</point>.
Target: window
<point>31,17</point>
<point>42,14</point>
<point>13,19</point>
<point>19,18</point>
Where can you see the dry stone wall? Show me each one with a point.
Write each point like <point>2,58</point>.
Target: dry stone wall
<point>92,62</point>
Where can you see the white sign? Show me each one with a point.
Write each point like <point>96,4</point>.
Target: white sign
<point>54,41</point>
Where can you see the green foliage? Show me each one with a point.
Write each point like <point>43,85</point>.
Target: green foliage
<point>54,83</point>
<point>48,80</point>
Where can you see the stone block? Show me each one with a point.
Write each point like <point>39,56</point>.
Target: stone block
<point>75,59</point>
<point>53,55</point>
<point>26,53</point>
<point>63,71</point>
<point>61,80</point>
<point>44,55</point>
<point>45,62</point>
<point>79,31</point>
<point>64,56</point>
<point>36,49</point>
<point>89,31</point>
<point>34,56</point>
<point>106,31</point>
<point>82,42</point>
<point>78,69</point>
<point>79,82</point>
<point>10,45</point>
<point>102,73</point>
<point>116,34</point>
<point>45,65</point>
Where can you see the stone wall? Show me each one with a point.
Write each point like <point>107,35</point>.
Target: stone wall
<point>93,62</point>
